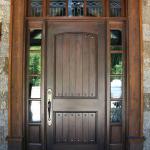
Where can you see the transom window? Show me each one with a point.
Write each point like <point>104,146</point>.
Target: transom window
<point>90,8</point>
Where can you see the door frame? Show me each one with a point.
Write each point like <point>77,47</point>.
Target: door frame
<point>16,103</point>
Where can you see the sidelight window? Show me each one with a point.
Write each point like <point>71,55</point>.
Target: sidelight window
<point>117,82</point>
<point>92,8</point>
<point>34,75</point>
<point>116,75</point>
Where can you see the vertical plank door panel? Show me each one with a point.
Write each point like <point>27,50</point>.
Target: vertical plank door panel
<point>59,64</point>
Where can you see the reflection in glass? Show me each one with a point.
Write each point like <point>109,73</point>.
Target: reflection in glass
<point>57,8</point>
<point>94,8</point>
<point>36,8</point>
<point>75,7</point>
<point>34,87</point>
<point>116,64</point>
<point>116,87</point>
<point>115,8</point>
<point>34,111</point>
<point>116,37</point>
<point>35,63</point>
<point>116,111</point>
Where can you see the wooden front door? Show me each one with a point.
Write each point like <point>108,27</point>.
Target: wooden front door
<point>75,86</point>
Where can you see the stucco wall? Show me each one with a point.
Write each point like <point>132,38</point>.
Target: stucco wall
<point>4,18</point>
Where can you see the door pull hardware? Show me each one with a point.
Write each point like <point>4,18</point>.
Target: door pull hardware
<point>49,106</point>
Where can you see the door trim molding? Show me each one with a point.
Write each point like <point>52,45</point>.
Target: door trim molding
<point>16,105</point>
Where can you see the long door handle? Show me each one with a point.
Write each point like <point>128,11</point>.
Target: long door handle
<point>49,109</point>
<point>49,106</point>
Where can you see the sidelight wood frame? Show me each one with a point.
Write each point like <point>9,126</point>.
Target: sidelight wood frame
<point>134,93</point>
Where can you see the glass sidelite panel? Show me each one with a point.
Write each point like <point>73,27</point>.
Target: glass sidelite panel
<point>35,39</point>
<point>116,38</point>
<point>116,111</point>
<point>116,64</point>
<point>35,8</point>
<point>35,63</point>
<point>34,111</point>
<point>75,7</point>
<point>57,8</point>
<point>116,87</point>
<point>94,8</point>
<point>35,87</point>
<point>115,8</point>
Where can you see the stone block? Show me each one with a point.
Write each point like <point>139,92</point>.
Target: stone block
<point>146,14</point>
<point>146,48</point>
<point>147,130</point>
<point>146,32</point>
<point>2,135</point>
<point>147,79</point>
<point>147,103</point>
<point>146,3</point>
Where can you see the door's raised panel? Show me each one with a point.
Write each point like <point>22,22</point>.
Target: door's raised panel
<point>116,134</point>
<point>34,134</point>
<point>75,127</point>
<point>76,65</point>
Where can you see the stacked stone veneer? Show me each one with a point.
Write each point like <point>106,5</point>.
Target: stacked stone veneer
<point>4,18</point>
<point>146,44</point>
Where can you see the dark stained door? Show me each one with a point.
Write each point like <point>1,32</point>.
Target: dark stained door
<point>76,86</point>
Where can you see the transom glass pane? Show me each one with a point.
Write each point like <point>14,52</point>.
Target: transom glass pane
<point>115,8</point>
<point>94,7</point>
<point>57,8</point>
<point>75,7</point>
<point>35,8</point>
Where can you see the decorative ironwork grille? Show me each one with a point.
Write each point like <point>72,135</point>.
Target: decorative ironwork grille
<point>36,8</point>
<point>57,8</point>
<point>94,8</point>
<point>115,8</point>
<point>75,7</point>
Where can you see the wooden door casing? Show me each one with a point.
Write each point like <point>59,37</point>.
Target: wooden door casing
<point>78,82</point>
<point>16,104</point>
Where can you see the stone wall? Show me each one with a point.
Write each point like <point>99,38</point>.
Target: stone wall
<point>4,18</point>
<point>146,44</point>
